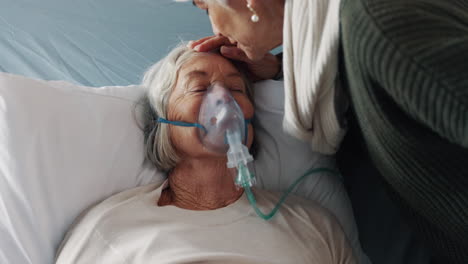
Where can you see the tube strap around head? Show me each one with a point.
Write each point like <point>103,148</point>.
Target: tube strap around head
<point>180,123</point>
<point>186,124</point>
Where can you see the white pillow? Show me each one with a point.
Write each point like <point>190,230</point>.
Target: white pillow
<point>63,147</point>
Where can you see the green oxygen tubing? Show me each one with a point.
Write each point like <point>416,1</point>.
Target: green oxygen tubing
<point>244,173</point>
<point>240,158</point>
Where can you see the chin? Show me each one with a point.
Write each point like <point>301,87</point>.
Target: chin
<point>254,56</point>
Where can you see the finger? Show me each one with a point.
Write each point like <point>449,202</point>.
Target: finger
<point>194,43</point>
<point>234,53</point>
<point>212,43</point>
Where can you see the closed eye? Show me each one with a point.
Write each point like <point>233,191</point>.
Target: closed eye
<point>237,90</point>
<point>200,89</point>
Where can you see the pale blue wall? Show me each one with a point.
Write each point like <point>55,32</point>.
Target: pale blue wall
<point>93,42</point>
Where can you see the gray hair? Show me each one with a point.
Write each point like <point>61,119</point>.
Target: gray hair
<point>160,80</point>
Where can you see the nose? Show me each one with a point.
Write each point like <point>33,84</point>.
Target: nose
<point>223,95</point>
<point>218,33</point>
<point>225,98</point>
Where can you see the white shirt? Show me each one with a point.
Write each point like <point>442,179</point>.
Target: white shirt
<point>130,228</point>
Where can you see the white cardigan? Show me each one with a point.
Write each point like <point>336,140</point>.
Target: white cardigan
<point>310,62</point>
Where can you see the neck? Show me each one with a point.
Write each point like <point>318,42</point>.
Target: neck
<point>201,184</point>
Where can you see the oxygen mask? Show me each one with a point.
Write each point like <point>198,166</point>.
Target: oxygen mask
<point>223,130</point>
<point>220,115</point>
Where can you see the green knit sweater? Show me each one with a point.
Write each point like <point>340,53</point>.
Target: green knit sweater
<point>406,70</point>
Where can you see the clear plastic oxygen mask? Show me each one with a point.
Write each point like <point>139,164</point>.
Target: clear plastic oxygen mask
<point>219,114</point>
<point>225,130</point>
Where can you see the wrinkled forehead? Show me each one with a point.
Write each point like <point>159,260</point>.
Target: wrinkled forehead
<point>207,64</point>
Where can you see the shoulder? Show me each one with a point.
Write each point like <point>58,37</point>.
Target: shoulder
<point>116,201</point>
<point>294,206</point>
<point>88,227</point>
<point>312,224</point>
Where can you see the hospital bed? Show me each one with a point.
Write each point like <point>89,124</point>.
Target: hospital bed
<point>112,42</point>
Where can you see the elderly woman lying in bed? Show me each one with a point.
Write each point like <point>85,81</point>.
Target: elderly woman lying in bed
<point>199,215</point>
